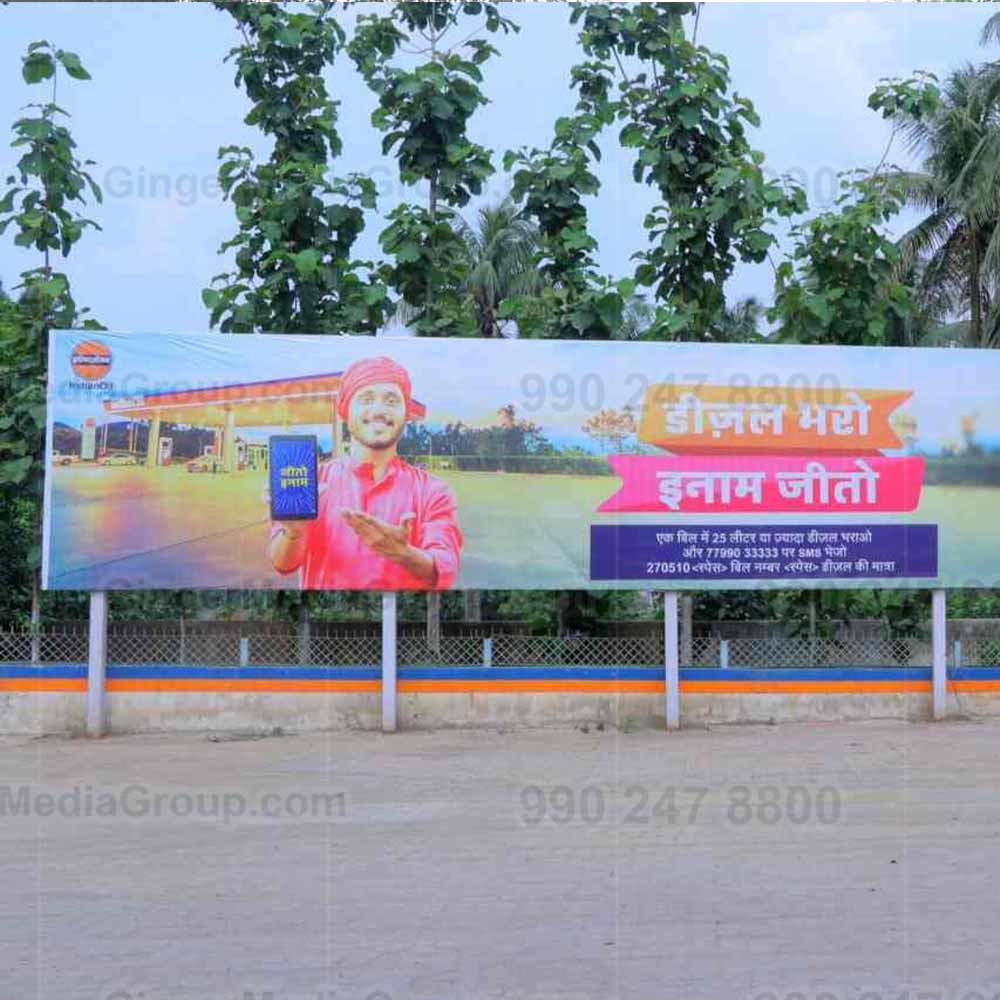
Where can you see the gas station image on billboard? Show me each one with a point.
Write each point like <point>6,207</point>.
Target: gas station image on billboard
<point>204,452</point>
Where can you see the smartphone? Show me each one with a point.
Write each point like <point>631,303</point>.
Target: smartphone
<point>294,474</point>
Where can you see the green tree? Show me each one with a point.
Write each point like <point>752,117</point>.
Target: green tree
<point>841,283</point>
<point>49,182</point>
<point>955,248</point>
<point>690,136</point>
<point>298,227</point>
<point>502,250</point>
<point>740,322</point>
<point>845,280</point>
<point>425,113</point>
<point>576,301</point>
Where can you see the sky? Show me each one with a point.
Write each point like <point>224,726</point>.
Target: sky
<point>162,102</point>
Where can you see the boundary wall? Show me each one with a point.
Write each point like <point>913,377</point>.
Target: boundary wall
<point>53,698</point>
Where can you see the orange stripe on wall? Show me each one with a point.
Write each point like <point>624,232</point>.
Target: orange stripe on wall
<point>806,687</point>
<point>275,687</point>
<point>974,685</point>
<point>42,684</point>
<point>28,684</point>
<point>538,687</point>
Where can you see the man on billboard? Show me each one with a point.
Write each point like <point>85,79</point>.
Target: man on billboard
<point>382,524</point>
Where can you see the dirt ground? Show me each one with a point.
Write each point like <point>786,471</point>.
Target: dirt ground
<point>826,862</point>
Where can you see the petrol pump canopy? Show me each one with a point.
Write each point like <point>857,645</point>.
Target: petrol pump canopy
<point>292,402</point>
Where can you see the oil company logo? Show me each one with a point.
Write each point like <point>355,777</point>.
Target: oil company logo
<point>91,360</point>
<point>91,364</point>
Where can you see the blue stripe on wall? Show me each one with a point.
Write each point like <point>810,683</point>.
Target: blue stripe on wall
<point>77,671</point>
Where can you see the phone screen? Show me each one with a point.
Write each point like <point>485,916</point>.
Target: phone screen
<point>294,473</point>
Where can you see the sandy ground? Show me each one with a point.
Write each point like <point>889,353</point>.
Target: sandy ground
<point>823,862</point>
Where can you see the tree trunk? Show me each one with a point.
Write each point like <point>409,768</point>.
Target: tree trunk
<point>36,619</point>
<point>434,621</point>
<point>473,605</point>
<point>812,628</point>
<point>975,293</point>
<point>305,655</point>
<point>687,630</point>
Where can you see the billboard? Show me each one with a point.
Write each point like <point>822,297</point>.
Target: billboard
<point>325,463</point>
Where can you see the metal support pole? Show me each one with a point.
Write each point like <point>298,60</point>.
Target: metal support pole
<point>97,664</point>
<point>671,660</point>
<point>389,663</point>
<point>940,661</point>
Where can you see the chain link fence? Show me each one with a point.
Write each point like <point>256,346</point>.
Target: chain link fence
<point>779,654</point>
<point>977,653</point>
<point>279,650</point>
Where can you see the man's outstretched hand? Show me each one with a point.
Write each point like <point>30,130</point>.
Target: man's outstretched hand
<point>388,540</point>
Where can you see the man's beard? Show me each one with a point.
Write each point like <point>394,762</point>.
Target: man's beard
<point>380,444</point>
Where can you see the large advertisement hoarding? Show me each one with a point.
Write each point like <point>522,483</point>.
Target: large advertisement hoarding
<point>325,463</point>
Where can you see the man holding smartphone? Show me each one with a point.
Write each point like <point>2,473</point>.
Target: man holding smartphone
<point>382,524</point>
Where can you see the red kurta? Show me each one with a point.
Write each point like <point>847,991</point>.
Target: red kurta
<point>337,559</point>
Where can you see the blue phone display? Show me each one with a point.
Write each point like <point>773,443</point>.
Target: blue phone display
<point>294,478</point>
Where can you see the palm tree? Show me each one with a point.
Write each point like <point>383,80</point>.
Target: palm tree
<point>991,31</point>
<point>955,249</point>
<point>741,322</point>
<point>503,249</point>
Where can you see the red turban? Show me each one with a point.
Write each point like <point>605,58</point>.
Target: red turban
<point>371,372</point>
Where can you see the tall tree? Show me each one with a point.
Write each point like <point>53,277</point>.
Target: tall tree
<point>43,194</point>
<point>425,113</point>
<point>841,282</point>
<point>577,301</point>
<point>295,270</point>
<point>690,133</point>
<point>956,246</point>
<point>502,249</point>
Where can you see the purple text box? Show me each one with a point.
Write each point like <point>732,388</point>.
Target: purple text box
<point>769,552</point>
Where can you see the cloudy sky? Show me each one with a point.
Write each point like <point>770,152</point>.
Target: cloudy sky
<point>162,102</point>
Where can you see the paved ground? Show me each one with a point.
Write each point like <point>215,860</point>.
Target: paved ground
<point>820,862</point>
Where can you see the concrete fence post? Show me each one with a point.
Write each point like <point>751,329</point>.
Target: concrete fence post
<point>487,652</point>
<point>244,652</point>
<point>940,657</point>
<point>671,660</point>
<point>389,663</point>
<point>97,665</point>
<point>724,654</point>
<point>957,654</point>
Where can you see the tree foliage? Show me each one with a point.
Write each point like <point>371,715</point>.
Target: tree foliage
<point>424,114</point>
<point>955,248</point>
<point>690,134</point>
<point>840,284</point>
<point>41,203</point>
<point>298,226</point>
